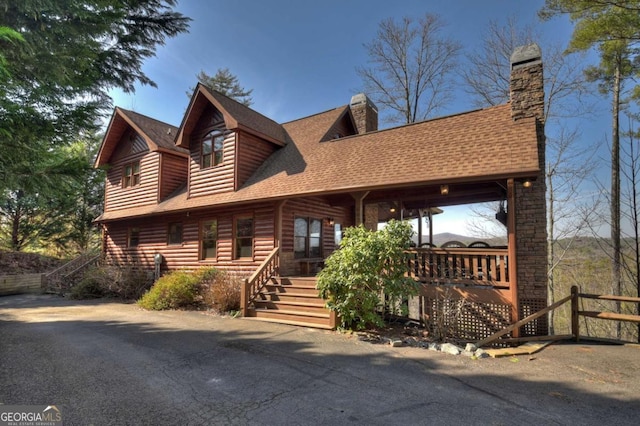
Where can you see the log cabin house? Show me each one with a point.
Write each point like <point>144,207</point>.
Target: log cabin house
<point>233,189</point>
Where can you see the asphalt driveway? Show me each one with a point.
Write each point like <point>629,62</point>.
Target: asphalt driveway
<point>107,363</point>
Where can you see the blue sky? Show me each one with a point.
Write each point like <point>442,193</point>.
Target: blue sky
<point>300,57</point>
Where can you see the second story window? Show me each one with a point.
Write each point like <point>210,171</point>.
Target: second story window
<point>212,149</point>
<point>131,174</point>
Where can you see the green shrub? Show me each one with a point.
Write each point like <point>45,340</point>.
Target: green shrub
<point>177,289</point>
<point>368,266</point>
<point>221,292</point>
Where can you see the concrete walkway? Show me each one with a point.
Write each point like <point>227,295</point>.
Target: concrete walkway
<point>108,363</point>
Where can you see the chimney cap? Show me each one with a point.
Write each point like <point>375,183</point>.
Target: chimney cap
<point>525,55</point>
<point>362,99</point>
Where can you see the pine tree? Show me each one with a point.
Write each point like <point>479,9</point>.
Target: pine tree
<point>227,84</point>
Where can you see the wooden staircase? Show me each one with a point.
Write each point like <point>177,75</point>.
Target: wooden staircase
<point>291,300</point>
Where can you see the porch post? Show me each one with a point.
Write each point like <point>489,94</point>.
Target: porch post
<point>420,212</point>
<point>359,198</point>
<point>513,271</point>
<point>278,223</point>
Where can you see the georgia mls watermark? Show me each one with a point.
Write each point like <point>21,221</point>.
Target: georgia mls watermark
<point>30,415</point>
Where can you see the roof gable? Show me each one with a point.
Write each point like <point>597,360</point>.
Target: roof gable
<point>236,117</point>
<point>157,135</point>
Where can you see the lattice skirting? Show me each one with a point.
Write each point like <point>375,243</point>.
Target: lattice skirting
<point>537,327</point>
<point>463,319</point>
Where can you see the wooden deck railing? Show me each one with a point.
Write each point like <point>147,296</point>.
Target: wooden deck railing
<point>574,298</point>
<point>460,266</point>
<point>576,312</point>
<point>252,286</point>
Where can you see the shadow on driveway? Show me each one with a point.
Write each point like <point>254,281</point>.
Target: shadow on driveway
<point>103,362</point>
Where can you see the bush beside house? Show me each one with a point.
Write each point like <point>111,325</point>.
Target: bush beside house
<point>366,277</point>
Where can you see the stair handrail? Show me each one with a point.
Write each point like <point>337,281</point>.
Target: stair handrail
<point>252,286</point>
<point>83,261</point>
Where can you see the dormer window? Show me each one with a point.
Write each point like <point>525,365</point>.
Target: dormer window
<point>212,149</point>
<point>131,174</point>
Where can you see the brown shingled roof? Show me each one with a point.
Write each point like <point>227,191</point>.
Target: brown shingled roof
<point>236,116</point>
<point>478,145</point>
<point>158,135</point>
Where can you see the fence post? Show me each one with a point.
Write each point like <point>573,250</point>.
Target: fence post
<point>575,323</point>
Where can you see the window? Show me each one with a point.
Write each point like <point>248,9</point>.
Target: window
<point>209,239</point>
<point>307,238</point>
<point>131,174</point>
<point>244,237</point>
<point>133,238</point>
<point>337,234</point>
<point>212,149</point>
<point>174,235</point>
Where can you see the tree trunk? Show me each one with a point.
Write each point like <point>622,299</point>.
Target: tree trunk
<point>550,248</point>
<point>636,217</point>
<point>615,193</point>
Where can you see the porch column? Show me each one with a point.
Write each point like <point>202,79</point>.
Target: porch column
<point>359,198</point>
<point>278,223</point>
<point>513,271</point>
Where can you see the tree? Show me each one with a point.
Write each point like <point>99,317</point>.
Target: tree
<point>73,53</point>
<point>32,216</point>
<point>367,264</point>
<point>227,84</point>
<point>487,76</point>
<point>614,28</point>
<point>7,35</point>
<point>411,68</point>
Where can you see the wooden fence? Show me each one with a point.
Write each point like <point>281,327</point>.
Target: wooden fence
<point>574,298</point>
<point>23,283</point>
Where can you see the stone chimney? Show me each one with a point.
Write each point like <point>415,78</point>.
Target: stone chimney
<point>530,208</point>
<point>365,113</point>
<point>527,85</point>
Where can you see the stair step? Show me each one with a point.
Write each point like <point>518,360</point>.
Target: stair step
<point>306,282</point>
<point>304,308</point>
<point>290,297</point>
<point>279,288</point>
<point>326,314</point>
<point>293,317</point>
<point>292,322</point>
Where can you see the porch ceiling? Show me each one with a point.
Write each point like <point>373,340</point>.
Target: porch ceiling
<point>422,197</point>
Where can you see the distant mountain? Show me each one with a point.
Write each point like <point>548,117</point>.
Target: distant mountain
<point>440,239</point>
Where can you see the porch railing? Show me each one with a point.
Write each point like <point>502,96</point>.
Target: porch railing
<point>252,286</point>
<point>461,266</point>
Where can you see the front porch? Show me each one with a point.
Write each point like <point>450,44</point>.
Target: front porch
<point>474,279</point>
<point>489,287</point>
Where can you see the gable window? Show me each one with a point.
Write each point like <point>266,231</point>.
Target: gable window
<point>243,238</point>
<point>212,149</point>
<point>131,174</point>
<point>174,234</point>
<point>307,238</point>
<point>133,237</point>
<point>209,239</point>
